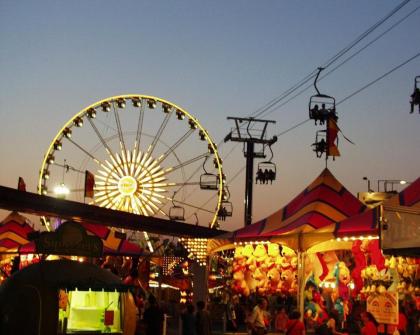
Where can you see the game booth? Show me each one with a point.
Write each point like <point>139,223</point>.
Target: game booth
<point>324,248</point>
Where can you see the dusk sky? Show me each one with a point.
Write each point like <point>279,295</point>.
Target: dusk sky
<point>217,59</point>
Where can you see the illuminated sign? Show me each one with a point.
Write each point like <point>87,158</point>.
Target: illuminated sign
<point>71,239</point>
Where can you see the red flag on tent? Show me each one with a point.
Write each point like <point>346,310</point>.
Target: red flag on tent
<point>332,132</point>
<point>21,185</point>
<point>89,184</point>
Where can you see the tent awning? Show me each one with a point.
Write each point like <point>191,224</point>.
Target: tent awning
<point>309,218</point>
<point>14,230</point>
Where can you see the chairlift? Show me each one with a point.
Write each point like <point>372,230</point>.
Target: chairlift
<point>321,106</point>
<point>415,97</point>
<point>176,212</point>
<point>266,171</point>
<point>320,144</point>
<point>208,181</point>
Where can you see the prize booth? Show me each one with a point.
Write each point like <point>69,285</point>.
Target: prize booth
<point>322,248</point>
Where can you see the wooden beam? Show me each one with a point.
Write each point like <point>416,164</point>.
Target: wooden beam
<point>40,205</point>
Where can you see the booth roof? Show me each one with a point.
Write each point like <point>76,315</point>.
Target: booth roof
<point>308,219</point>
<point>65,274</point>
<point>14,230</point>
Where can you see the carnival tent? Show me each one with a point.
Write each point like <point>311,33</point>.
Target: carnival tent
<point>14,230</point>
<point>310,218</point>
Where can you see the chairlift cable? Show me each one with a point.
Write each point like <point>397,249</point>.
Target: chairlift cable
<point>273,102</point>
<point>379,78</point>
<point>346,60</point>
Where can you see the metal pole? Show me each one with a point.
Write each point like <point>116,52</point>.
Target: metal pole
<point>249,181</point>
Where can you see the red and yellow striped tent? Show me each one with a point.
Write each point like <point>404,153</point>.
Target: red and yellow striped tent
<point>14,230</point>
<point>310,218</point>
<point>367,223</point>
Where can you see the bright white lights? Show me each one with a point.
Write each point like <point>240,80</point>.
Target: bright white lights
<point>61,190</point>
<point>131,182</point>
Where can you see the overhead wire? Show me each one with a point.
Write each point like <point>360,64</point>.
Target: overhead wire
<point>272,103</point>
<point>378,79</point>
<point>341,101</point>
<point>329,62</point>
<point>346,60</point>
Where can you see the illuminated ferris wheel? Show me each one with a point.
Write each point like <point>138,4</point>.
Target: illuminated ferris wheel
<point>139,154</point>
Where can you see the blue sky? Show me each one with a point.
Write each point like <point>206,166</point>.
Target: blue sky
<point>215,59</point>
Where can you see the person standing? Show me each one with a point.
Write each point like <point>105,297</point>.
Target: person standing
<point>257,320</point>
<point>294,325</point>
<point>369,324</point>
<point>188,321</point>
<point>153,317</point>
<point>281,321</point>
<point>202,319</point>
<point>232,323</point>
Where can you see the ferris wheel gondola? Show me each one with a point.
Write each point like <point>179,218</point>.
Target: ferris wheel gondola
<point>226,207</point>
<point>176,212</point>
<point>208,181</point>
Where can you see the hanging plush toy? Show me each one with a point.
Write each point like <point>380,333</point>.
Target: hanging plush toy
<point>342,276</point>
<point>360,264</point>
<point>375,254</point>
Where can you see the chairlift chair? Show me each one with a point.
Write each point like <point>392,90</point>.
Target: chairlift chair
<point>320,107</point>
<point>266,172</point>
<point>208,181</point>
<point>320,144</point>
<point>177,213</point>
<point>415,97</point>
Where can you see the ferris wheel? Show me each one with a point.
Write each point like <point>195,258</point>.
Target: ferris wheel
<point>145,155</point>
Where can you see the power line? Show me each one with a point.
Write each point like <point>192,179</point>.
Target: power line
<point>345,61</point>
<point>273,102</point>
<point>341,101</point>
<point>379,78</point>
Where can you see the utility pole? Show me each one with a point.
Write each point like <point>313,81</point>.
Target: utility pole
<point>250,131</point>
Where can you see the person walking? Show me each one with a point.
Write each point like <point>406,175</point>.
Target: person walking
<point>153,317</point>
<point>202,319</point>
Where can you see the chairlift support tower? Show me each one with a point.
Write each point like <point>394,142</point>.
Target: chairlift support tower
<point>250,131</point>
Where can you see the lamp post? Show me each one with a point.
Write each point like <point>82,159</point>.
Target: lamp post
<point>368,184</point>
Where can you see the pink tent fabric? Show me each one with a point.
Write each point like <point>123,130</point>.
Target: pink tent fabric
<point>14,231</point>
<point>323,203</point>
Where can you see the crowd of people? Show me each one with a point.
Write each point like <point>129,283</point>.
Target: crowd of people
<point>262,315</point>
<point>269,317</point>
